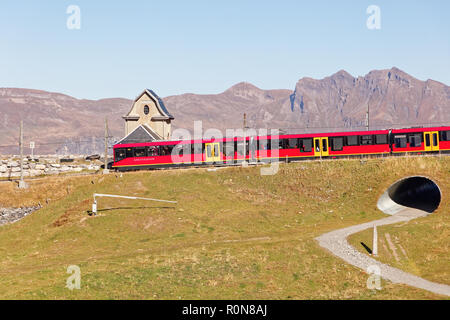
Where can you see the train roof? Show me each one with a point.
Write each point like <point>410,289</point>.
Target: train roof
<point>283,136</point>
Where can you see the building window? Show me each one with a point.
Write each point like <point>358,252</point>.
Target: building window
<point>146,110</point>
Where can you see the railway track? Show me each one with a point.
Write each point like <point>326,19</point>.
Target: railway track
<point>250,164</point>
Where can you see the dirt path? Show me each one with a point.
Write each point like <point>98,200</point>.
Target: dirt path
<point>336,242</point>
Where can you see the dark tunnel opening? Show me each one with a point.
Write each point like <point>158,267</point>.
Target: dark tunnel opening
<point>416,192</point>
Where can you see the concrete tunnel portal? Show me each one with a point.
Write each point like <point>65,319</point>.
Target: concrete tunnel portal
<point>413,192</point>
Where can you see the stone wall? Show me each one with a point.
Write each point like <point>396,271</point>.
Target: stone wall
<point>10,168</point>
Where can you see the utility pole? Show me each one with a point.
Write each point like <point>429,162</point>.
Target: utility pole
<point>22,184</point>
<point>105,170</point>
<point>367,117</point>
<point>245,142</point>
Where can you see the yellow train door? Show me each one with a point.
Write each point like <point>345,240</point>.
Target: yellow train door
<point>435,141</point>
<point>212,152</point>
<point>321,148</point>
<point>431,141</point>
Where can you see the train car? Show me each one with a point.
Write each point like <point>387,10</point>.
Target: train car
<point>228,151</point>
<point>420,140</point>
<point>334,145</point>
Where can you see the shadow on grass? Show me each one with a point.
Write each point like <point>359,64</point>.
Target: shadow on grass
<point>89,212</point>
<point>366,247</point>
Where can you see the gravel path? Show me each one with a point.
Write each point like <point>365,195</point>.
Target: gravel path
<point>336,242</point>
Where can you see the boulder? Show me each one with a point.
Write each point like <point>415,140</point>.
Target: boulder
<point>40,167</point>
<point>15,169</point>
<point>3,169</point>
<point>35,172</point>
<point>55,165</point>
<point>13,164</point>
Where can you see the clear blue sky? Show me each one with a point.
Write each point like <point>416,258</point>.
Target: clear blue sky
<point>207,46</point>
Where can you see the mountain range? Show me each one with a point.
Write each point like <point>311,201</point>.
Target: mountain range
<point>63,124</point>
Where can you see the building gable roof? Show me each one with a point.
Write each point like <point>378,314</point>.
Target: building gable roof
<point>141,134</point>
<point>158,101</point>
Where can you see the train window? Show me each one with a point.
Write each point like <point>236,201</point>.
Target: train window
<point>400,141</point>
<point>381,139</point>
<point>427,140</point>
<point>325,145</point>
<point>305,145</point>
<point>197,148</point>
<point>166,150</point>
<point>352,141</point>
<point>129,152</point>
<point>139,152</point>
<point>228,148</point>
<point>208,151</point>
<point>153,151</point>
<point>216,150</point>
<point>292,143</point>
<point>275,144</point>
<point>435,139</point>
<point>120,154</point>
<point>366,139</point>
<point>181,149</point>
<point>337,144</point>
<point>445,135</point>
<point>239,146</point>
<point>264,144</point>
<point>415,140</point>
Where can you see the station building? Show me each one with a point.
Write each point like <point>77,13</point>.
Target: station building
<point>148,119</point>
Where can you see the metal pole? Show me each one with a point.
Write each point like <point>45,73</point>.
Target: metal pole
<point>21,150</point>
<point>22,184</point>
<point>375,242</point>
<point>94,205</point>
<point>105,170</point>
<point>367,116</point>
<point>245,140</point>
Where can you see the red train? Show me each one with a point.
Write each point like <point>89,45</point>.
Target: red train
<point>288,147</point>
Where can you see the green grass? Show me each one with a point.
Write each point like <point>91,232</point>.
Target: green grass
<point>422,246</point>
<point>234,234</point>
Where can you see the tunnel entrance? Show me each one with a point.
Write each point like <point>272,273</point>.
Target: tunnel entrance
<point>414,192</point>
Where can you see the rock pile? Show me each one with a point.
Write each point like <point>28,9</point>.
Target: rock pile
<point>10,215</point>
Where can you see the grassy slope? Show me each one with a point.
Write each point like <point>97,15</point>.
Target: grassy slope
<point>234,233</point>
<point>421,246</point>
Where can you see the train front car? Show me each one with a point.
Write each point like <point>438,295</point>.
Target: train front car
<point>150,155</point>
<point>420,140</point>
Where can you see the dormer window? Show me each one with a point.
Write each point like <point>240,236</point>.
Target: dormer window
<point>146,110</point>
